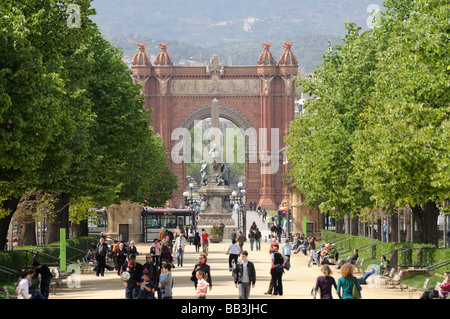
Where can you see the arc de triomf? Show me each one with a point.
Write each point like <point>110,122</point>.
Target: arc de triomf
<point>260,96</point>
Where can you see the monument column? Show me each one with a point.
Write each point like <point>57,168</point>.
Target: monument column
<point>164,72</point>
<point>288,69</point>
<point>267,71</point>
<point>215,208</point>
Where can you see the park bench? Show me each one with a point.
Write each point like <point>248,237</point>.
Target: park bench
<point>8,294</point>
<point>57,279</point>
<point>388,276</point>
<point>359,265</point>
<point>85,266</point>
<point>395,281</point>
<point>423,289</point>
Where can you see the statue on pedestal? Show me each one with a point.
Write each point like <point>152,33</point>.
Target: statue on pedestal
<point>204,173</point>
<point>215,191</point>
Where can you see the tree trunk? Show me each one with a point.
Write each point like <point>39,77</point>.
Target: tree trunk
<point>25,214</point>
<point>59,218</point>
<point>27,234</point>
<point>354,225</point>
<point>408,225</point>
<point>394,228</point>
<point>426,217</point>
<point>338,225</point>
<point>379,229</point>
<point>11,206</point>
<point>372,227</point>
<point>79,229</point>
<point>347,223</point>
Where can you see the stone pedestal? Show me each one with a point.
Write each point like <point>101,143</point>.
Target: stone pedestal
<point>125,220</point>
<point>300,210</point>
<point>215,209</point>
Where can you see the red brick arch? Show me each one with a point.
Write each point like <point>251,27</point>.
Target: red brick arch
<point>259,97</point>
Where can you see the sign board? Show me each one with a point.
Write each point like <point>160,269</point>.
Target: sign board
<point>62,249</point>
<point>305,226</point>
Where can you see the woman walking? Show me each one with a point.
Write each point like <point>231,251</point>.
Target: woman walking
<point>325,283</point>
<point>346,282</point>
<point>204,267</point>
<point>233,251</point>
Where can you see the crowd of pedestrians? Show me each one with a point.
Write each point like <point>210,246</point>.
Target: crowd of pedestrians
<point>153,278</point>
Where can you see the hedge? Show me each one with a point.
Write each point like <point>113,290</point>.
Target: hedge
<point>19,258</point>
<point>431,254</point>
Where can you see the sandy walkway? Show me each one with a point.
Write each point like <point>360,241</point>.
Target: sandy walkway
<point>297,282</point>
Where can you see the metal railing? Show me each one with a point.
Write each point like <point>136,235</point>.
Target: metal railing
<point>341,247</point>
<point>372,247</point>
<point>438,265</point>
<point>410,257</point>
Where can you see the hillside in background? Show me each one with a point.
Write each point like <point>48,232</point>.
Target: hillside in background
<point>195,29</point>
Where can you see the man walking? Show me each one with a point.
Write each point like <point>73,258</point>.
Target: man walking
<point>45,278</point>
<point>180,244</point>
<point>132,285</point>
<point>205,241</point>
<point>244,276</point>
<point>121,256</point>
<point>101,252</point>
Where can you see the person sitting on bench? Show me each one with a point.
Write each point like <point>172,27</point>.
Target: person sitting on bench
<point>383,265</point>
<point>443,292</point>
<point>350,259</point>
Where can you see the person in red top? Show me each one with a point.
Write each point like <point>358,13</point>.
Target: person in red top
<point>205,240</point>
<point>443,292</point>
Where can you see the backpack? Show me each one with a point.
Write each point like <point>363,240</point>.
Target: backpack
<point>278,259</point>
<point>153,250</point>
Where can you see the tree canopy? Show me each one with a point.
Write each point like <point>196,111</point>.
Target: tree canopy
<point>72,121</point>
<point>376,132</point>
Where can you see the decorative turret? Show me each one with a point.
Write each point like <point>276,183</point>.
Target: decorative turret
<point>266,58</point>
<point>141,58</point>
<point>288,58</point>
<point>163,58</point>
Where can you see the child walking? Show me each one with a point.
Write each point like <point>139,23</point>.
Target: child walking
<point>202,285</point>
<point>166,282</point>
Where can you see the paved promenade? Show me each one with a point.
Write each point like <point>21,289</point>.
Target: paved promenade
<point>297,282</point>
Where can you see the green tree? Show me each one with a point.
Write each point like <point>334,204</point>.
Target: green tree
<point>321,138</point>
<point>402,154</point>
<point>34,114</point>
<point>72,120</point>
<point>115,156</point>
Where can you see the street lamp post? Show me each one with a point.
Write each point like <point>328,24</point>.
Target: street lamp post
<point>190,203</point>
<point>238,199</point>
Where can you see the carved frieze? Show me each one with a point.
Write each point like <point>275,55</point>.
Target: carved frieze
<point>215,86</point>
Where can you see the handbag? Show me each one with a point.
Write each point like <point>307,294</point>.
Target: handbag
<point>315,293</point>
<point>355,291</point>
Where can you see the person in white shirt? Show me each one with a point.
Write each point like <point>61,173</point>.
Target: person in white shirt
<point>233,250</point>
<point>23,286</point>
<point>180,243</point>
